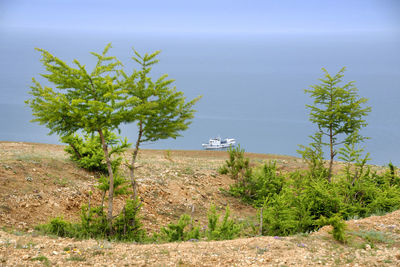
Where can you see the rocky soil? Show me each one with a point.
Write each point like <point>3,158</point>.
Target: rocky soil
<point>39,182</point>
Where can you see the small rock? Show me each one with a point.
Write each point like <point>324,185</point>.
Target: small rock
<point>6,167</point>
<point>26,257</point>
<point>55,253</point>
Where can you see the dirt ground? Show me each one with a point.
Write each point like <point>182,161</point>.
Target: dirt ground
<point>39,182</point>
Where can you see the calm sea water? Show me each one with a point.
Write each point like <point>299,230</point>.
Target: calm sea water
<point>252,86</point>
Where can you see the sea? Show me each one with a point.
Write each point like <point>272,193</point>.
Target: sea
<point>252,85</point>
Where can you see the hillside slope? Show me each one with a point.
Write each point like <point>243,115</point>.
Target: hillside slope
<point>38,182</point>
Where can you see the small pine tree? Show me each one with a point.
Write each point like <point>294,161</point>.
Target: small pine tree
<point>159,111</point>
<point>225,230</point>
<point>337,111</point>
<point>81,100</point>
<point>180,231</point>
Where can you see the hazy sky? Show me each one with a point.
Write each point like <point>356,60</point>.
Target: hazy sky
<point>205,16</point>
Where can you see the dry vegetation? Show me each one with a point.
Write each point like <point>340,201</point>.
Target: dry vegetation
<point>38,182</point>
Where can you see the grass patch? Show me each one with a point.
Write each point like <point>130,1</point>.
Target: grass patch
<point>76,258</point>
<point>372,237</point>
<point>98,252</point>
<point>42,259</point>
<point>63,182</point>
<point>35,159</point>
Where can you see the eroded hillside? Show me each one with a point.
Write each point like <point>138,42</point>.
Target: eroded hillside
<point>39,182</point>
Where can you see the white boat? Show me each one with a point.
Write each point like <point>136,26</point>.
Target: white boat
<point>218,143</point>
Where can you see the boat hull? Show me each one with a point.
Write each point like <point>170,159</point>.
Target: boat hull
<point>208,147</point>
<point>218,144</point>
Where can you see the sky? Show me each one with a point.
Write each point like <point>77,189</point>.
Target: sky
<point>203,17</point>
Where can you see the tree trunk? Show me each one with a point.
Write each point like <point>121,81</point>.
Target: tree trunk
<point>132,167</point>
<point>111,179</point>
<point>332,154</point>
<point>103,195</point>
<point>77,154</point>
<point>261,221</point>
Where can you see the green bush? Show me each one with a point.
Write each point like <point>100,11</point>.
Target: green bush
<point>339,227</point>
<point>293,203</point>
<point>60,227</point>
<point>280,216</point>
<point>93,223</point>
<point>126,227</point>
<point>183,230</point>
<point>225,230</point>
<point>87,152</point>
<point>238,167</point>
<point>252,185</point>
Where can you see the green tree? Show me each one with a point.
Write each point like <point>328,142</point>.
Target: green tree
<point>102,100</point>
<point>338,112</point>
<point>80,101</point>
<point>159,111</point>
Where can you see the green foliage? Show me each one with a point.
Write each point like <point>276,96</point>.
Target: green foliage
<point>355,164</point>
<point>337,111</point>
<point>99,102</point>
<point>314,156</point>
<point>60,227</point>
<point>261,183</point>
<point>128,224</point>
<point>279,218</point>
<point>120,185</point>
<point>183,230</point>
<point>292,203</point>
<point>339,227</point>
<point>391,175</point>
<point>238,167</point>
<point>337,108</point>
<point>88,153</point>
<point>94,224</point>
<point>252,185</point>
<point>225,230</point>
<point>81,99</point>
<point>159,110</point>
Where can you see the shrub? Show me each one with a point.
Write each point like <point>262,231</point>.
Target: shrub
<point>225,230</point>
<point>293,202</point>
<point>339,227</point>
<point>128,224</point>
<point>126,227</point>
<point>280,215</point>
<point>179,231</point>
<point>88,153</point>
<point>93,222</point>
<point>59,227</point>
<point>264,182</point>
<point>237,167</point>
